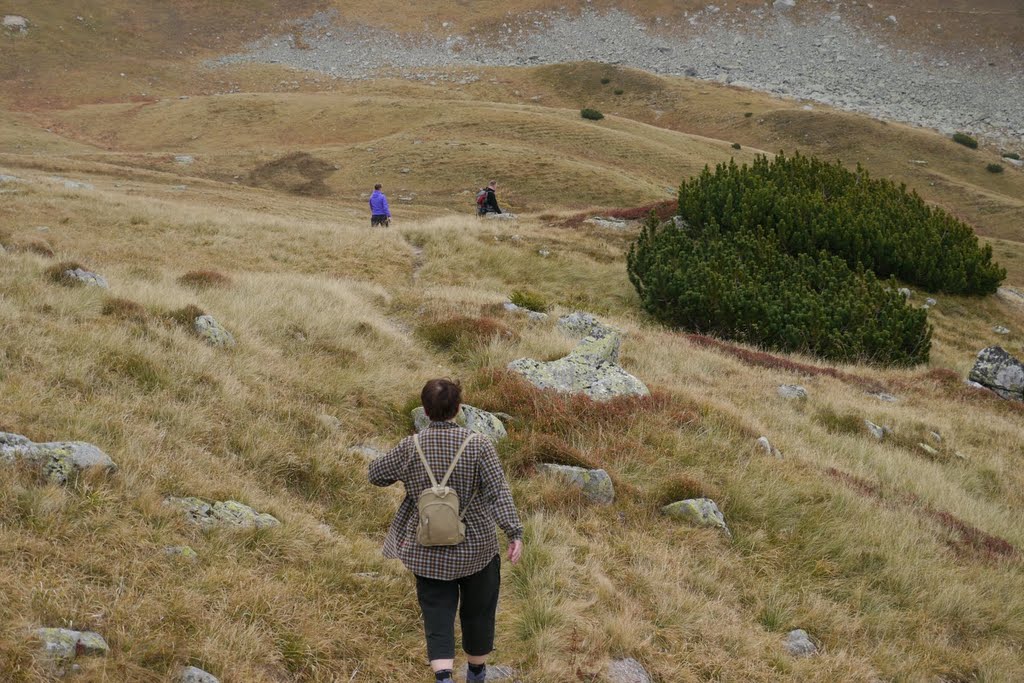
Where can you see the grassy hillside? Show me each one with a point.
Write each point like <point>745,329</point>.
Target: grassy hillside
<point>894,561</point>
<point>902,564</point>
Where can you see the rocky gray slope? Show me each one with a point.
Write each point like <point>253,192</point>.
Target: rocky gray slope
<point>827,60</point>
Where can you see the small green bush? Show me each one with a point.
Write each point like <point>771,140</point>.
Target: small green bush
<point>619,91</point>
<point>965,140</point>
<point>605,81</point>
<point>840,423</point>
<point>527,298</point>
<point>748,114</point>
<point>1011,155</point>
<point>994,168</point>
<point>591,114</point>
<point>737,145</point>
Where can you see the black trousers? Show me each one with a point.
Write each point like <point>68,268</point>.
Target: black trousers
<point>381,219</point>
<point>439,601</point>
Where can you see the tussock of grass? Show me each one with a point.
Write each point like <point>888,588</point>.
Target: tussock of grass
<point>56,273</point>
<point>124,309</point>
<point>204,279</point>
<point>530,299</point>
<point>184,316</point>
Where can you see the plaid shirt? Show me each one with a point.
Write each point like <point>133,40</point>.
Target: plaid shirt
<point>483,494</point>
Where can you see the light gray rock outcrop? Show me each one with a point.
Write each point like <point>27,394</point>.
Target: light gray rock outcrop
<point>80,276</point>
<point>15,23</point>
<point>191,674</point>
<point>596,485</point>
<point>212,332</point>
<point>59,461</point>
<point>698,511</point>
<point>1011,295</point>
<point>627,671</point>
<point>580,325</point>
<point>999,329</point>
<point>874,430</point>
<point>473,419</point>
<point>799,644</point>
<point>999,371</point>
<point>222,514</point>
<point>765,445</point>
<point>590,369</point>
<point>62,645</point>
<point>532,315</point>
<point>792,391</point>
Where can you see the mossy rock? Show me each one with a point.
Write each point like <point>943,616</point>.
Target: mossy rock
<point>473,419</point>
<point>596,484</point>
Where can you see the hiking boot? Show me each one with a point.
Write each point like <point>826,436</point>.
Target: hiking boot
<point>476,678</point>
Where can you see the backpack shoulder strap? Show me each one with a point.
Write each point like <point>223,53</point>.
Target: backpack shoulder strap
<point>455,460</point>
<point>423,459</point>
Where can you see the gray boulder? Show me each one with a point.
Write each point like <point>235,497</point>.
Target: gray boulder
<point>473,419</point>
<point>183,552</point>
<point>222,514</point>
<point>798,644</point>
<point>59,461</point>
<point>212,332</point>
<point>999,329</point>
<point>62,644</point>
<point>1000,372</point>
<point>929,302</point>
<point>699,511</point>
<point>80,276</point>
<point>627,671</point>
<point>792,391</point>
<point>579,325</point>
<point>596,484</point>
<point>532,315</point>
<point>875,430</point>
<point>15,23</point>
<point>905,293</point>
<point>590,369</point>
<point>191,674</point>
<point>765,445</point>
<point>1011,295</point>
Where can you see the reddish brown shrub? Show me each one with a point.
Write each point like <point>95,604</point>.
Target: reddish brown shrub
<point>124,309</point>
<point>663,210</point>
<point>460,334</point>
<point>204,279</point>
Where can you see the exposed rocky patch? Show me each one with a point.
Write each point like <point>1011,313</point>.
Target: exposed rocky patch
<point>698,511</point>
<point>191,674</point>
<point>212,332</point>
<point>627,671</point>
<point>792,391</point>
<point>61,646</point>
<point>222,514</point>
<point>532,315</point>
<point>59,461</point>
<point>596,485</point>
<point>473,419</point>
<point>997,370</point>
<point>15,23</point>
<point>798,644</point>
<point>828,60</point>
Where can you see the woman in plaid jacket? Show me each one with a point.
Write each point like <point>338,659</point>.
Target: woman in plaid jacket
<point>469,570</point>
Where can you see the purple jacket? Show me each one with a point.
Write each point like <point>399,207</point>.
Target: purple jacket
<point>379,204</point>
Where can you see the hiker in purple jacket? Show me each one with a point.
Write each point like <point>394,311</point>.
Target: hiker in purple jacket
<point>380,214</point>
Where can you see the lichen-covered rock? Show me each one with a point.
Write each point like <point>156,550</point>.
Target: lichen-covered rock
<point>579,325</point>
<point>532,315</point>
<point>1000,372</point>
<point>211,331</point>
<point>590,369</point>
<point>226,514</point>
<point>627,671</point>
<point>699,511</point>
<point>63,644</point>
<point>366,452</point>
<point>596,484</point>
<point>798,644</point>
<point>1011,295</point>
<point>792,391</point>
<point>80,276</point>
<point>1000,329</point>
<point>191,674</point>
<point>182,551</point>
<point>929,302</point>
<point>473,419</point>
<point>905,293</point>
<point>15,23</point>
<point>59,461</point>
<point>874,430</point>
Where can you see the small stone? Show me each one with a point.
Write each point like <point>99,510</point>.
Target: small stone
<point>80,276</point>
<point>999,329</point>
<point>59,461</point>
<point>77,185</point>
<point>329,422</point>
<point>876,431</point>
<point>224,514</point>
<point>929,302</point>
<point>905,293</point>
<point>211,331</point>
<point>699,511</point>
<point>15,23</point>
<point>596,484</point>
<point>627,671</point>
<point>798,644</point>
<point>473,419</point>
<point>184,159</point>
<point>406,170</point>
<point>182,551</point>
<point>882,396</point>
<point>191,674</point>
<point>544,253</point>
<point>928,449</point>
<point>63,645</point>
<point>532,315</point>
<point>792,391</point>
<point>936,437</point>
<point>765,445</point>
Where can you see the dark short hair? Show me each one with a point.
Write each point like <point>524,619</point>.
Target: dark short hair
<point>441,399</point>
<point>377,186</point>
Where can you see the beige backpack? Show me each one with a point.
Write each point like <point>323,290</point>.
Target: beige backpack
<point>440,521</point>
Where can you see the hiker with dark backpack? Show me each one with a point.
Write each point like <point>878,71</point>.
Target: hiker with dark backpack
<point>444,530</point>
<point>487,200</point>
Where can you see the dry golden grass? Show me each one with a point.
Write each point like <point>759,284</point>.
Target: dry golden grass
<point>880,560</point>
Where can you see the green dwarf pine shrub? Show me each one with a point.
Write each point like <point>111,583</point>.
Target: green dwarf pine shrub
<point>811,206</point>
<point>965,140</point>
<point>1011,155</point>
<point>743,285</point>
<point>994,168</point>
<point>591,114</point>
